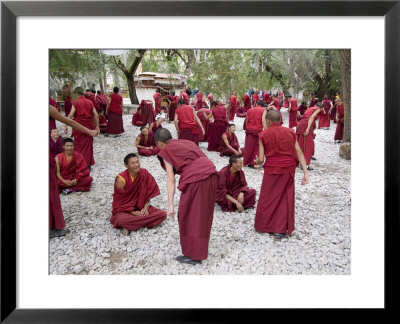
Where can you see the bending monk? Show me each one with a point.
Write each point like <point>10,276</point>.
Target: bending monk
<point>198,184</point>
<point>233,192</point>
<point>133,190</point>
<point>145,142</point>
<point>72,171</point>
<point>186,122</point>
<point>275,209</point>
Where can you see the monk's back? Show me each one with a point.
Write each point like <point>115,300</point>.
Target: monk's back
<point>278,140</point>
<point>254,118</point>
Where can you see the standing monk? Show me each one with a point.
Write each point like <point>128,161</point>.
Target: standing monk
<point>199,102</point>
<point>324,118</point>
<point>254,126</point>
<point>218,127</point>
<point>157,101</point>
<point>84,113</point>
<point>246,102</point>
<point>145,142</point>
<point>339,121</point>
<point>185,97</point>
<point>275,209</point>
<point>230,144</point>
<point>198,184</point>
<point>114,110</point>
<point>232,108</point>
<point>72,171</point>
<point>172,101</point>
<point>233,192</point>
<point>101,100</point>
<point>133,189</point>
<point>203,113</point>
<point>266,97</point>
<point>255,98</point>
<point>67,92</point>
<point>292,109</point>
<point>305,132</point>
<point>90,95</point>
<point>186,122</point>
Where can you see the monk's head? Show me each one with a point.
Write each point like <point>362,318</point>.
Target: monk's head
<point>181,102</point>
<point>236,163</point>
<point>132,163</point>
<point>139,111</point>
<point>144,130</point>
<point>159,120</point>
<point>214,104</point>
<point>261,103</point>
<point>116,89</point>
<point>162,137</point>
<point>79,91</point>
<point>54,134</point>
<point>68,145</point>
<point>272,117</point>
<point>319,104</point>
<point>338,101</point>
<point>98,92</point>
<point>231,128</point>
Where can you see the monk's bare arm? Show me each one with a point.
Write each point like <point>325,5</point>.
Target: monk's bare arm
<point>119,183</point>
<point>198,121</point>
<point>108,105</point>
<point>302,160</point>
<point>176,123</point>
<point>207,117</point>
<point>137,143</point>
<point>72,112</point>
<point>96,118</point>
<point>310,121</point>
<point>264,122</point>
<point>260,159</point>
<point>170,188</point>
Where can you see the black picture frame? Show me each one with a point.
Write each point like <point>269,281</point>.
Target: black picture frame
<point>11,10</point>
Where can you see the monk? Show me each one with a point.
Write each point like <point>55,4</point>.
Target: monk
<point>137,118</point>
<point>90,96</point>
<point>339,121</point>
<point>198,184</point>
<point>84,113</point>
<point>157,101</point>
<point>313,101</point>
<point>56,143</point>
<point>230,144</point>
<point>56,217</point>
<point>240,111</point>
<point>305,132</point>
<point>203,113</point>
<point>292,109</point>
<point>156,124</point>
<point>114,112</point>
<point>53,103</point>
<point>133,189</point>
<point>301,110</point>
<point>275,209</point>
<point>255,99</point>
<point>172,101</point>
<point>254,126</point>
<point>148,113</point>
<point>145,142</point>
<point>210,99</point>
<point>101,100</point>
<point>199,101</point>
<point>185,97</point>
<point>266,97</point>
<point>324,118</point>
<point>218,127</point>
<point>102,122</point>
<point>233,192</point>
<point>333,111</point>
<point>246,102</point>
<point>67,92</point>
<point>232,108</point>
<point>72,171</point>
<point>186,122</point>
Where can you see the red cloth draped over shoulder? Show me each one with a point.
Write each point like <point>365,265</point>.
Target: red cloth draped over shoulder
<point>246,102</point>
<point>266,97</point>
<point>277,104</point>
<point>324,118</point>
<point>186,118</point>
<point>293,112</point>
<point>233,141</point>
<point>280,153</point>
<point>102,100</point>
<point>137,119</point>
<point>157,100</point>
<point>185,97</point>
<point>172,106</point>
<point>55,148</point>
<point>232,110</point>
<point>74,169</point>
<point>135,194</point>
<point>199,102</point>
<point>148,113</point>
<point>306,143</point>
<point>83,114</point>
<point>204,123</point>
<point>254,118</point>
<point>90,96</point>
<point>115,105</point>
<point>150,142</point>
<point>256,98</point>
<point>67,105</point>
<point>217,128</point>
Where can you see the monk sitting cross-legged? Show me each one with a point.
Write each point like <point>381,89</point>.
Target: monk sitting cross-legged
<point>72,171</point>
<point>145,142</point>
<point>230,144</point>
<point>233,192</point>
<point>133,190</point>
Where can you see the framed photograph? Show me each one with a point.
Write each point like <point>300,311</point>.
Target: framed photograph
<point>29,293</point>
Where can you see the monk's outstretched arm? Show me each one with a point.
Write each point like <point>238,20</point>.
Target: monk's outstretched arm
<point>170,188</point>
<point>311,120</point>
<point>302,160</point>
<point>198,121</point>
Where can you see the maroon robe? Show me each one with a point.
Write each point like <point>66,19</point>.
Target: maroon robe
<point>187,124</point>
<point>83,142</point>
<point>67,105</point>
<point>115,123</point>
<point>103,124</point>
<point>293,113</point>
<point>150,142</point>
<point>198,184</point>
<point>333,111</point>
<point>154,127</point>
<point>204,123</point>
<point>233,185</point>
<point>306,143</point>
<point>133,198</point>
<point>102,101</point>
<point>137,119</point>
<point>313,102</point>
<point>185,97</point>
<point>275,209</point>
<point>256,98</point>
<point>232,110</point>
<point>172,106</point>
<point>233,141</point>
<point>266,96</point>
<point>217,128</point>
<point>324,117</point>
<point>199,102</point>
<point>77,169</point>
<point>340,123</point>
<point>253,128</point>
<point>148,113</point>
<point>246,102</point>
<point>56,147</point>
<point>90,96</point>
<point>240,112</point>
<point>157,100</point>
<point>56,217</point>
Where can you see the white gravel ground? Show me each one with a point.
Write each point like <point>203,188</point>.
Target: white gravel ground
<point>320,244</point>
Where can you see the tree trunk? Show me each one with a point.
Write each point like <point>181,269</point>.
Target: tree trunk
<point>101,84</point>
<point>345,69</point>
<point>105,80</point>
<point>132,89</point>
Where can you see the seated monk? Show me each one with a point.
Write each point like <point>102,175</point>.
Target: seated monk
<point>102,122</point>
<point>133,190</point>
<point>137,118</point>
<point>156,124</point>
<point>145,142</point>
<point>232,192</point>
<point>230,144</point>
<point>72,170</point>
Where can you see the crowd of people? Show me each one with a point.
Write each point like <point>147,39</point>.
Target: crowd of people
<point>268,144</point>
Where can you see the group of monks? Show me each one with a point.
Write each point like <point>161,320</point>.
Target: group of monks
<point>268,144</point>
